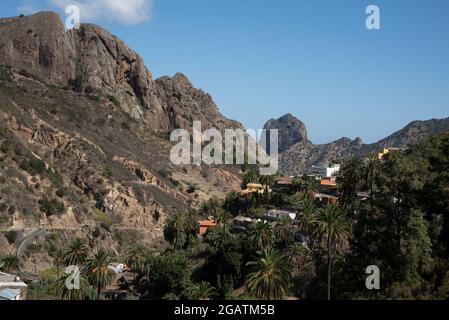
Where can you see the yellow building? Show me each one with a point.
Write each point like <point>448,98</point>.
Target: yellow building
<point>253,188</point>
<point>386,151</point>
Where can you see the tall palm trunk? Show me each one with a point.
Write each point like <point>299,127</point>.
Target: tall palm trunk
<point>329,266</point>
<point>371,200</point>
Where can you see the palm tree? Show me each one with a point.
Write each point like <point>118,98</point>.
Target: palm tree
<point>10,264</point>
<point>309,187</point>
<point>191,222</point>
<point>83,293</point>
<point>267,180</point>
<point>76,253</point>
<point>283,230</point>
<point>263,235</point>
<point>135,257</point>
<point>147,263</point>
<point>306,214</point>
<point>333,230</point>
<point>98,272</point>
<point>349,180</point>
<point>372,166</point>
<point>218,236</point>
<point>251,176</point>
<point>223,217</point>
<point>175,229</point>
<point>139,259</point>
<point>296,253</point>
<point>200,291</point>
<point>270,277</point>
<point>58,259</point>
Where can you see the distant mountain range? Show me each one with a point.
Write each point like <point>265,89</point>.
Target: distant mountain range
<point>298,153</point>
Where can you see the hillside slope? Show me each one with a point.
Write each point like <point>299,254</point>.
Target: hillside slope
<point>84,132</point>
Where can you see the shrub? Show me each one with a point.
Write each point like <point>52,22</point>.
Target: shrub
<point>125,125</point>
<point>34,166</point>
<point>76,84</point>
<point>61,192</point>
<point>12,209</point>
<point>11,236</point>
<point>164,173</point>
<point>24,73</point>
<point>94,98</point>
<point>174,182</point>
<point>114,101</point>
<point>51,207</point>
<point>191,189</point>
<point>89,90</point>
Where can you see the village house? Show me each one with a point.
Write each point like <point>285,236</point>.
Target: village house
<point>325,172</point>
<point>279,214</point>
<point>242,223</point>
<point>12,287</point>
<point>204,225</point>
<point>253,188</point>
<point>381,154</point>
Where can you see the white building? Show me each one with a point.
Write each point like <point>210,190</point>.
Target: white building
<point>11,287</point>
<point>278,214</point>
<point>326,172</point>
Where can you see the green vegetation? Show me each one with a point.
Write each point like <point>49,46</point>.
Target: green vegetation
<point>51,207</point>
<point>126,125</point>
<point>10,264</point>
<point>33,166</point>
<point>392,213</point>
<point>76,84</point>
<point>114,101</point>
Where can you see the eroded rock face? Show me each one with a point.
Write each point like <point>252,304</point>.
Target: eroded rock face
<point>184,104</point>
<point>39,45</point>
<point>108,65</point>
<point>290,131</point>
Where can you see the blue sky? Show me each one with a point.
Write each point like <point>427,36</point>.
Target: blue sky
<point>315,59</point>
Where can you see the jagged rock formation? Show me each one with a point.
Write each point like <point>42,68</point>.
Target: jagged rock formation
<point>291,131</point>
<point>84,132</point>
<point>298,157</point>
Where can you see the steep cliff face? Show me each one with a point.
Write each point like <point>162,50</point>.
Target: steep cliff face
<point>291,131</point>
<point>39,45</point>
<point>100,61</point>
<point>84,132</point>
<point>184,104</point>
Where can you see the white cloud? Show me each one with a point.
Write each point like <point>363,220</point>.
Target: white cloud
<point>122,11</point>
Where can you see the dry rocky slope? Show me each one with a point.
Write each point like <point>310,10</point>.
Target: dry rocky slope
<point>84,133</point>
<point>297,153</point>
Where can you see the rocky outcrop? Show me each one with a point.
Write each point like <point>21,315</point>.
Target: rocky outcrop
<point>290,131</point>
<point>39,45</point>
<point>100,61</point>
<point>184,104</point>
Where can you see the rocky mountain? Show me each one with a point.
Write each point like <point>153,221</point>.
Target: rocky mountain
<point>291,131</point>
<point>84,133</point>
<point>298,157</point>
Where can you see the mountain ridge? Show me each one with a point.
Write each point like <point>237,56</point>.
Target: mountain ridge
<point>84,133</point>
<point>298,157</point>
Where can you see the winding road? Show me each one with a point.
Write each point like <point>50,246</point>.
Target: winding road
<point>23,243</point>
